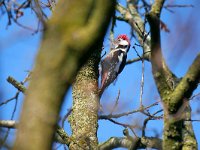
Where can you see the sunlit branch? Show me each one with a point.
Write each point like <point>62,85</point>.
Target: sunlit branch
<point>8,124</point>
<point>16,84</point>
<point>144,142</point>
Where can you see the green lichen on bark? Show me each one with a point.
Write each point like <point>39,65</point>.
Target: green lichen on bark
<point>189,139</point>
<point>157,7</point>
<point>84,118</point>
<point>172,92</point>
<point>172,139</point>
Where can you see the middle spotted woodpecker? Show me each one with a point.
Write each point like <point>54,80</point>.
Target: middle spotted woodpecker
<point>114,62</point>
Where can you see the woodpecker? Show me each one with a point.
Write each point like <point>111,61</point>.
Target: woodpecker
<point>113,64</point>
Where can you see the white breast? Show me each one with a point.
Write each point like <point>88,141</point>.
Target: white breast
<point>120,57</point>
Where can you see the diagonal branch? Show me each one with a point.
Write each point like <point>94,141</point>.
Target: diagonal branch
<point>188,84</point>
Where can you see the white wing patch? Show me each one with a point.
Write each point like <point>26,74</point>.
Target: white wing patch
<point>120,57</point>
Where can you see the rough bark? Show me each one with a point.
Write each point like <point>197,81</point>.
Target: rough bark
<point>189,139</point>
<point>71,35</point>
<point>84,118</point>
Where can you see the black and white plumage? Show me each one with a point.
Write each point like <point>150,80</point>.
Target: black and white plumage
<point>114,62</point>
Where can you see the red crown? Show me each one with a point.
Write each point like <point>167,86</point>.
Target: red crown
<point>124,37</point>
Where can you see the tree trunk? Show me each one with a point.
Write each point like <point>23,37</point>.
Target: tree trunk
<point>71,35</point>
<point>84,115</point>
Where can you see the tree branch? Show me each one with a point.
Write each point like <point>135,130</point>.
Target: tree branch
<point>115,142</point>
<point>16,84</point>
<point>157,7</point>
<point>126,113</point>
<point>188,83</point>
<point>133,60</point>
<point>164,78</point>
<point>60,135</point>
<point>144,142</point>
<point>8,124</point>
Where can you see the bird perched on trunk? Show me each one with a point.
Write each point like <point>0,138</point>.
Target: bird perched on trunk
<point>113,64</point>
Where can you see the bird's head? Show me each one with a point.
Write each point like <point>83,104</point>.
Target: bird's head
<point>123,42</point>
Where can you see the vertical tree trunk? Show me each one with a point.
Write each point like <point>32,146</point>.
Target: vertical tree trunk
<point>84,115</point>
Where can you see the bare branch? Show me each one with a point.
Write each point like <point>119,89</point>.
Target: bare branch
<point>16,84</point>
<point>60,136</point>
<point>8,124</point>
<point>66,116</point>
<point>115,142</point>
<point>133,60</point>
<point>178,5</point>
<point>162,74</point>
<point>131,127</point>
<point>127,113</point>
<point>65,139</point>
<point>194,96</point>
<point>188,84</point>
<point>9,100</point>
<point>116,103</point>
<point>144,142</point>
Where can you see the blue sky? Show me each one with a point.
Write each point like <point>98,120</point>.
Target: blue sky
<point>18,49</point>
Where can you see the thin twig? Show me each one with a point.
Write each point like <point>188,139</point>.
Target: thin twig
<point>9,100</point>
<point>66,116</point>
<point>116,103</point>
<point>151,117</point>
<point>178,5</point>
<point>124,125</point>
<point>126,113</point>
<point>12,117</point>
<point>133,60</point>
<point>194,96</point>
<point>21,88</point>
